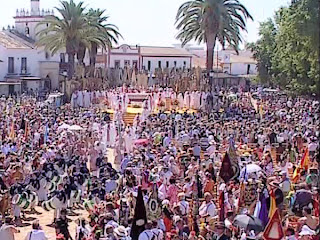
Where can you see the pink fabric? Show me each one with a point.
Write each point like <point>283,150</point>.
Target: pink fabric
<point>172,194</point>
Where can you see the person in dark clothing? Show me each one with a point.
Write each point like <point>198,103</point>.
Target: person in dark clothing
<point>62,225</point>
<point>2,185</point>
<point>273,137</point>
<point>99,191</point>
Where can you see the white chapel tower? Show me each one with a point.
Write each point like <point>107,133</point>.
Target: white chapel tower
<point>35,8</point>
<point>26,21</point>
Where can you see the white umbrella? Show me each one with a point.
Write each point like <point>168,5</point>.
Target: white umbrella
<point>64,126</point>
<point>251,168</point>
<point>75,128</point>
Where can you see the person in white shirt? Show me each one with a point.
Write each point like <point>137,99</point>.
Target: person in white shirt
<point>285,184</point>
<point>212,149</point>
<point>36,233</point>
<point>207,208</point>
<point>148,233</point>
<point>183,204</point>
<point>7,230</point>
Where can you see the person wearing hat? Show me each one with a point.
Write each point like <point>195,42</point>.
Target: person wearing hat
<point>147,234</point>
<point>36,233</point>
<point>121,233</point>
<point>7,230</point>
<point>207,208</point>
<point>183,204</point>
<point>285,184</point>
<point>219,232</point>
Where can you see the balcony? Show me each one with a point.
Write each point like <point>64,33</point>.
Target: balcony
<point>21,73</point>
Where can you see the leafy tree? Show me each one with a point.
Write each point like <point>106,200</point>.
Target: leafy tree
<point>263,50</point>
<point>211,20</point>
<point>76,31</point>
<point>106,33</point>
<point>100,34</point>
<point>288,49</point>
<point>66,32</point>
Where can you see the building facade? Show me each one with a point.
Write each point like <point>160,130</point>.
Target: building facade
<point>144,57</point>
<point>22,61</point>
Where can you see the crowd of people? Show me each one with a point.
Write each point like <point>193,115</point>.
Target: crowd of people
<point>226,170</point>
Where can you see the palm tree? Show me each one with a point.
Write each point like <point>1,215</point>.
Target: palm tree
<point>66,32</point>
<point>103,34</point>
<point>211,20</point>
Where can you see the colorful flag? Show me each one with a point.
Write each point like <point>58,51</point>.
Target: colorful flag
<point>140,216</point>
<point>226,170</point>
<point>273,205</point>
<point>274,230</point>
<point>26,130</point>
<point>221,206</point>
<point>12,133</point>
<point>242,193</point>
<point>261,110</point>
<point>263,214</point>
<point>304,164</point>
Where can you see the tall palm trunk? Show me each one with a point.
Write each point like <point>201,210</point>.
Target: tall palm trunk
<point>71,57</point>
<point>93,54</point>
<point>211,42</point>
<point>81,53</point>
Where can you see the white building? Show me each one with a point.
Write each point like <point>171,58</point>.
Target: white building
<point>144,57</point>
<point>238,64</point>
<point>22,60</point>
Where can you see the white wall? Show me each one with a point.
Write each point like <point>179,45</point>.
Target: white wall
<point>31,23</point>
<point>34,56</point>
<point>241,68</point>
<point>4,64</point>
<point>123,58</point>
<point>154,62</point>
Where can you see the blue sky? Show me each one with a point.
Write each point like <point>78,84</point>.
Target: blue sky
<point>147,22</point>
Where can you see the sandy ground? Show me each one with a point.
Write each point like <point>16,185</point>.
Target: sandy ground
<point>45,218</point>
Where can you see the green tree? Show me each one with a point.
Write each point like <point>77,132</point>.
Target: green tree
<point>76,31</point>
<point>296,58</point>
<point>105,34</point>
<point>211,20</point>
<point>66,32</point>
<point>263,50</point>
<point>288,49</point>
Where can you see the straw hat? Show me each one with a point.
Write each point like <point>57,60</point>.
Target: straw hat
<point>120,232</point>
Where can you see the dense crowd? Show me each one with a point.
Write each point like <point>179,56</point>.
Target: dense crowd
<point>226,170</point>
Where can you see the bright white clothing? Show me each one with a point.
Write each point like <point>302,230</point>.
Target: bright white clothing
<point>36,235</point>
<point>207,209</point>
<point>146,235</point>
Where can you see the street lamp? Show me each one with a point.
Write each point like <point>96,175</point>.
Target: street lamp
<point>65,75</point>
<point>211,79</point>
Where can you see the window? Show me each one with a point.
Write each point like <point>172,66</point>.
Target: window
<point>167,64</point>
<point>135,64</point>
<point>10,65</point>
<point>149,65</point>
<point>126,62</point>
<point>175,63</point>
<point>62,58</point>
<point>159,64</point>
<point>117,64</point>
<point>47,55</point>
<point>23,65</point>
<point>248,69</point>
<point>27,31</point>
